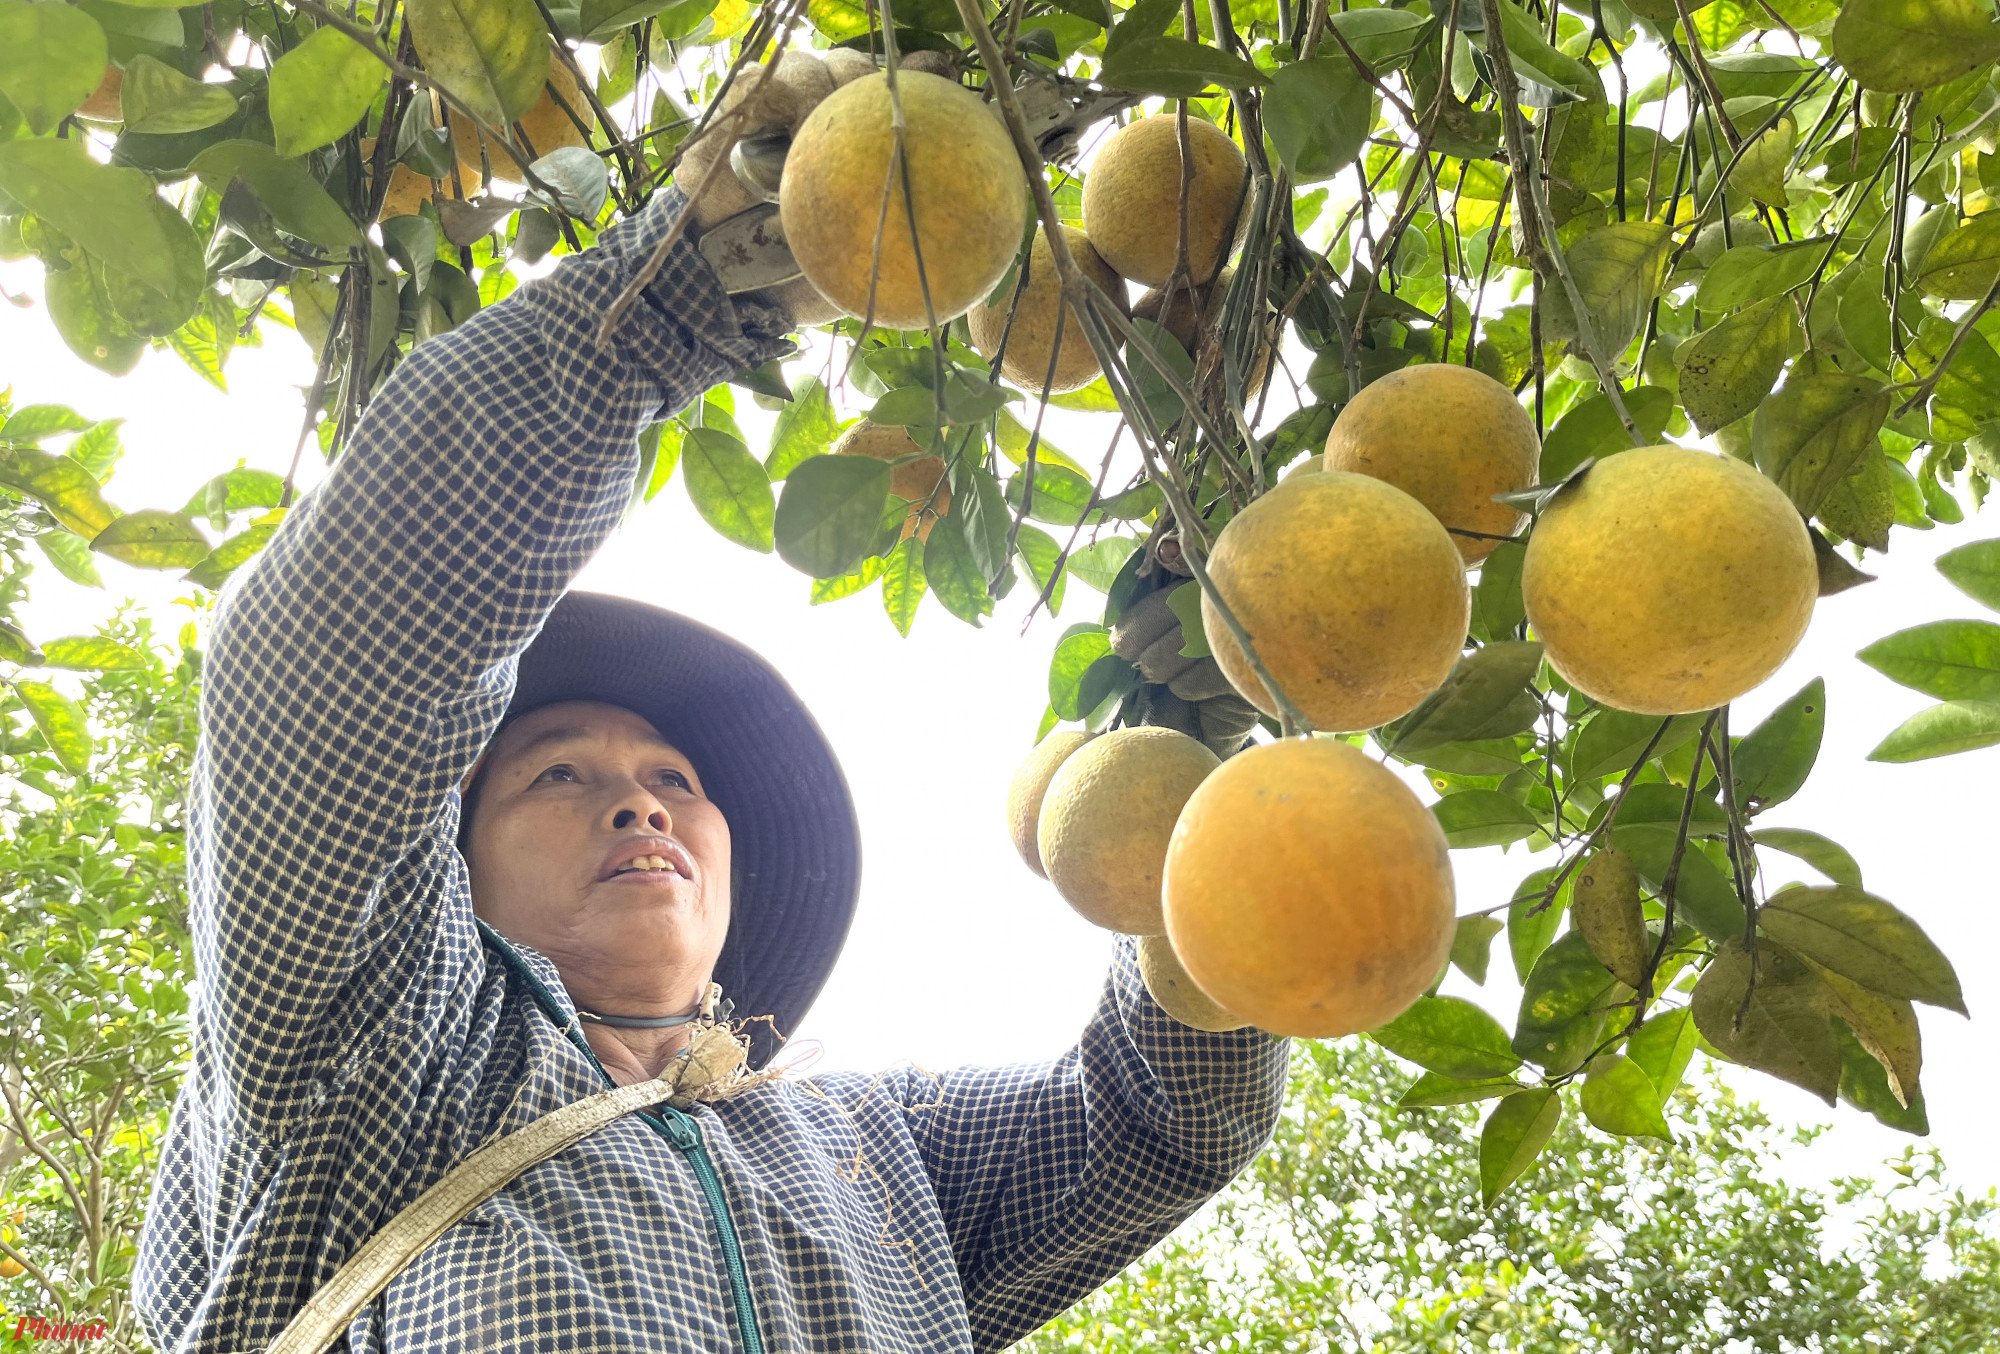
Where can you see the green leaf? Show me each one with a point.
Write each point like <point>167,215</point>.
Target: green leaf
<point>231,555</point>
<point>1973,569</point>
<point>145,311</point>
<point>833,589</point>
<point>97,449</point>
<point>61,485</point>
<point>1782,1029</point>
<point>70,553</point>
<point>1772,762</point>
<point>909,407</point>
<point>1450,1036</point>
<point>159,100</point>
<point>1472,945</point>
<point>1384,38</point>
<point>1318,113</point>
<point>1952,660</point>
<point>1481,687</point>
<point>1955,726</point>
<point>1752,272</point>
<point>1863,938</point>
<point>492,54</point>
<point>1095,398</point>
<point>1038,553</point>
<point>1185,602</point>
<point>320,89</point>
<point>953,574</point>
<point>729,488</point>
<point>1484,818</point>
<point>1962,265</point>
<point>153,539</point>
<point>599,19</point>
<point>36,422</point>
<point>1145,19</point>
<point>1726,370</point>
<point>51,59</point>
<point>15,646</point>
<point>84,317</point>
<point>1702,894</point>
<point>1862,507</point>
<point>286,188</point>
<point>903,584</point>
<point>235,491</point>
<point>981,512</point>
<point>1612,739</point>
<point>830,513</point>
<point>1078,649</point>
<point>805,427</point>
<point>1099,563</point>
<point>1563,1005</point>
<point>1531,925</point>
<point>103,208</point>
<point>1812,433</point>
<point>1886,1027</point>
<point>1061,497</point>
<point>62,723</point>
<point>1176,67</point>
<point>580,181</point>
<point>1591,430</point>
<point>93,653</point>
<point>1867,1085</point>
<point>1906,46</point>
<point>1430,1091</point>
<point>1619,269</point>
<point>1514,1135</point>
<point>1620,1098</point>
<point>1662,1048</point>
<point>1823,854</point>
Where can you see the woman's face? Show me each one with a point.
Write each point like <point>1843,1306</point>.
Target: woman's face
<point>591,841</point>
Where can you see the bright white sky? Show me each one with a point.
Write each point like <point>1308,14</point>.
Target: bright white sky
<point>960,955</point>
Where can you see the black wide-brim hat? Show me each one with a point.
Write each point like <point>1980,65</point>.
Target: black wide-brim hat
<point>795,844</point>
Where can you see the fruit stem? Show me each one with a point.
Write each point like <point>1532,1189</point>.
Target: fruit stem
<point>1533,210</point>
<point>1096,311</point>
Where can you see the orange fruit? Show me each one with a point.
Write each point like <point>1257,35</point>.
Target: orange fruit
<point>1032,337</point>
<point>971,200</point>
<point>1353,595</point>
<point>1166,978</point>
<point>1030,784</point>
<point>1132,195</point>
<point>1669,580</point>
<point>1308,890</point>
<point>543,128</point>
<point>1448,436</point>
<point>1106,819</point>
<point>107,102</point>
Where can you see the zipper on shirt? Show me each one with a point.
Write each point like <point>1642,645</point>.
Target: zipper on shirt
<point>681,1132</point>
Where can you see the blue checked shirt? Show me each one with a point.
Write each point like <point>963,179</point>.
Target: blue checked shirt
<point>353,1038</point>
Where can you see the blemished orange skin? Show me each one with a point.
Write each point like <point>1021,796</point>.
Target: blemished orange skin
<point>1451,437</point>
<point>545,127</point>
<point>1352,593</point>
<point>971,200</point>
<point>1669,580</point>
<point>913,481</point>
<point>1308,890</point>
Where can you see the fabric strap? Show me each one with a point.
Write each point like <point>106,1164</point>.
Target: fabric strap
<point>404,1237</point>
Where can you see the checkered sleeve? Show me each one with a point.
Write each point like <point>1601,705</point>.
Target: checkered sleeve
<point>1052,1178</point>
<point>358,666</point>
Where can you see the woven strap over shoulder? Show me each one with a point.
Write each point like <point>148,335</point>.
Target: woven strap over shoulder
<point>404,1237</point>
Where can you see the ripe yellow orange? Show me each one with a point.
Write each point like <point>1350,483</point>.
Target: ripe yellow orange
<point>971,200</point>
<point>1030,783</point>
<point>1308,890</point>
<point>919,483</point>
<point>543,128</point>
<point>10,1268</point>
<point>1450,437</point>
<point>1667,580</point>
<point>1353,595</point>
<point>1131,199</point>
<point>1032,338</point>
<point>1106,819</point>
<point>1167,979</point>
